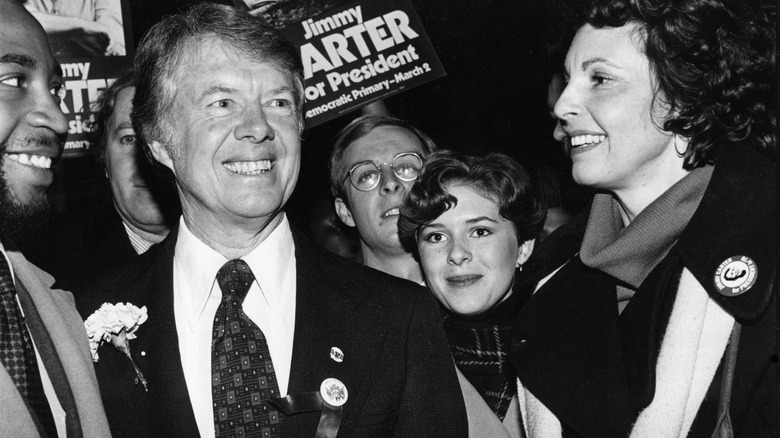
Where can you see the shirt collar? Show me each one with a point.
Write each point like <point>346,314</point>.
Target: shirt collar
<point>271,261</point>
<point>139,244</point>
<point>199,264</point>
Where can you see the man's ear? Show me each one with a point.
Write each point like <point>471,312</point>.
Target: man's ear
<point>160,153</point>
<point>524,252</point>
<point>343,212</point>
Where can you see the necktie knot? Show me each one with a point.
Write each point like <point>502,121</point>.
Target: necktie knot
<point>235,278</point>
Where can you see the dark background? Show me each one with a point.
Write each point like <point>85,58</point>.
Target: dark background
<point>493,98</point>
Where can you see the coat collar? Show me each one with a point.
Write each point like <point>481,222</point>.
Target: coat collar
<point>171,409</point>
<point>736,218</point>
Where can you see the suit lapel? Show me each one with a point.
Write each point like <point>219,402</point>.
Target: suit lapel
<point>157,352</point>
<point>566,349</point>
<point>642,325</point>
<point>59,318</point>
<point>51,361</point>
<point>325,318</point>
<point>15,417</point>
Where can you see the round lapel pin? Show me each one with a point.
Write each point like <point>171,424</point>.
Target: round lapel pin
<point>735,276</point>
<point>336,354</point>
<point>334,392</point>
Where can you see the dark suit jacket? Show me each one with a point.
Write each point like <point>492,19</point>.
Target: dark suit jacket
<point>82,247</point>
<point>595,369</point>
<point>397,366</point>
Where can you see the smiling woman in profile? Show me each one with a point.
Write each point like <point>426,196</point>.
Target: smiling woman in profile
<point>473,223</point>
<point>656,315</point>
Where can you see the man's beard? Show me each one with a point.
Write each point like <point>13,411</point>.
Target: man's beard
<point>18,220</point>
<point>21,221</point>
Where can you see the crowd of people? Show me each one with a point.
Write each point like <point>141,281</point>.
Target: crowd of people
<point>471,305</point>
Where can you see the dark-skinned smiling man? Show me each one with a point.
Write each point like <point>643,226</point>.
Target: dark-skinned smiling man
<point>47,381</point>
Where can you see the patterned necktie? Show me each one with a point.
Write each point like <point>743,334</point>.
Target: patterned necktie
<point>242,374</point>
<point>17,352</point>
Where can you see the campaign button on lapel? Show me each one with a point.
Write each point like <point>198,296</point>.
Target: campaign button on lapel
<point>336,354</point>
<point>735,276</point>
<point>334,392</point>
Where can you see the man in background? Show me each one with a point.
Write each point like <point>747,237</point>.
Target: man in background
<point>83,246</point>
<point>47,383</point>
<point>139,205</point>
<point>375,160</point>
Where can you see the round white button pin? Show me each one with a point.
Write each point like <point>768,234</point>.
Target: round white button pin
<point>735,276</point>
<point>334,392</point>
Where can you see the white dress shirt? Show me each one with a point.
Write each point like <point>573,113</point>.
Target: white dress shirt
<point>57,410</point>
<point>270,304</point>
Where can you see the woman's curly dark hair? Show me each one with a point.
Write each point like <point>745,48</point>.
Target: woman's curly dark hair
<point>714,61</point>
<point>495,176</point>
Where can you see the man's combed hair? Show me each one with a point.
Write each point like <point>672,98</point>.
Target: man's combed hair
<point>103,108</point>
<point>356,130</point>
<point>173,41</point>
<point>714,63</point>
<point>495,176</point>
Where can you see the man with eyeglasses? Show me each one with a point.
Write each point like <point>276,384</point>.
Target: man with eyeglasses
<point>374,162</point>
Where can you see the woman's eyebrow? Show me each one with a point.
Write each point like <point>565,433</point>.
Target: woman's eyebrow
<point>480,219</point>
<point>591,61</point>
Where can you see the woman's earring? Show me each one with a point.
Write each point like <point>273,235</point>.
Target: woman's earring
<point>677,149</point>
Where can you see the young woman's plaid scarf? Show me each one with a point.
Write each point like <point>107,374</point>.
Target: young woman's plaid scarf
<point>481,355</point>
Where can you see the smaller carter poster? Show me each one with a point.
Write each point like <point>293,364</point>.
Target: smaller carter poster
<point>91,40</point>
<point>359,53</point>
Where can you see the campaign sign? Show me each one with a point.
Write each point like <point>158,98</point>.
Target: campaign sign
<point>92,41</point>
<point>359,53</point>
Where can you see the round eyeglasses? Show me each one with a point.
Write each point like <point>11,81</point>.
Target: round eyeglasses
<point>366,176</point>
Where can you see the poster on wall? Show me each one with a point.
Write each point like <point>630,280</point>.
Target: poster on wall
<point>282,13</point>
<point>361,52</point>
<point>92,41</point>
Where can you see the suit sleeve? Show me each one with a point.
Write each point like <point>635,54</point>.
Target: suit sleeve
<point>432,403</point>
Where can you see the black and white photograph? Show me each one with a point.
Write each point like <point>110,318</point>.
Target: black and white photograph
<point>389,218</point>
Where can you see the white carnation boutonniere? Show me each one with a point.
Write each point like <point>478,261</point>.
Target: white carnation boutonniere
<point>117,324</point>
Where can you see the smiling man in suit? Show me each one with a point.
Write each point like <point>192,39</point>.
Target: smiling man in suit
<point>253,330</point>
<point>47,386</point>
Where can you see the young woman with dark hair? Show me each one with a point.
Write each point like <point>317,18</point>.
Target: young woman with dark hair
<point>473,223</point>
